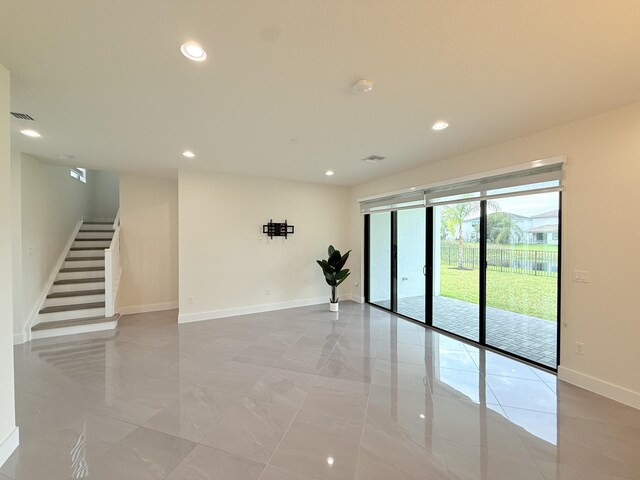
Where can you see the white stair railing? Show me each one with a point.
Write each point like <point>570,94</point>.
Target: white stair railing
<point>112,269</point>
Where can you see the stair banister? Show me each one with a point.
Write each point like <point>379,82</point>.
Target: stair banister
<point>112,269</point>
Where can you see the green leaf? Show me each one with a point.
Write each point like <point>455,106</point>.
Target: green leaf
<point>338,266</point>
<point>334,258</point>
<point>342,274</point>
<point>331,250</point>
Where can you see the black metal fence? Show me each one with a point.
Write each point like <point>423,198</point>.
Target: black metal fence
<point>527,262</point>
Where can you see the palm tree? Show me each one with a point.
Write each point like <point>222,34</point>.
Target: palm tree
<point>503,228</point>
<point>453,217</point>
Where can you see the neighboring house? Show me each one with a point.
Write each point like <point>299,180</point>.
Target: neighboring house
<point>538,229</point>
<point>471,227</point>
<point>544,228</point>
<point>544,234</point>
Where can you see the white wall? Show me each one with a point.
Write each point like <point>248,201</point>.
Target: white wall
<point>16,245</point>
<point>8,431</point>
<point>227,264</point>
<point>601,199</point>
<point>106,194</point>
<point>52,204</point>
<point>149,244</point>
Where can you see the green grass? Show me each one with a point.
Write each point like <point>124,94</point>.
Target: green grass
<point>527,294</point>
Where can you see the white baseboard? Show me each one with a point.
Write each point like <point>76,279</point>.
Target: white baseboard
<point>9,444</point>
<point>606,389</point>
<point>233,312</point>
<point>154,307</point>
<point>356,298</point>
<point>19,338</point>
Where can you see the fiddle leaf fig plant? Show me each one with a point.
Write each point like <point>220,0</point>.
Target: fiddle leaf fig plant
<point>334,271</point>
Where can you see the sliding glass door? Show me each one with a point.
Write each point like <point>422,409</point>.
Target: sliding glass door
<point>456,269</point>
<point>483,265</point>
<point>380,259</point>
<point>410,244</point>
<point>523,237</point>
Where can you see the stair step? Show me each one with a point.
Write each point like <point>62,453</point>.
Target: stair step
<point>97,223</point>
<point>73,323</point>
<point>76,293</point>
<point>81,269</point>
<point>78,280</point>
<point>82,259</point>
<point>107,239</point>
<point>69,308</point>
<point>94,231</point>
<point>75,249</point>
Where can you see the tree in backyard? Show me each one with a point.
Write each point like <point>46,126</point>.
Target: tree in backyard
<point>453,217</point>
<point>503,228</point>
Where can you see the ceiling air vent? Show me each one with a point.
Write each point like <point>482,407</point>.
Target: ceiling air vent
<point>22,116</point>
<point>373,159</point>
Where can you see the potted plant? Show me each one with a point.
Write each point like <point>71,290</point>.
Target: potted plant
<point>334,273</point>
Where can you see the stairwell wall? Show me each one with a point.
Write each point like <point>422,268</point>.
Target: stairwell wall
<point>52,203</point>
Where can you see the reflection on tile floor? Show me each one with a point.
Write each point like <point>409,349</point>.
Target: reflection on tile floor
<point>304,394</point>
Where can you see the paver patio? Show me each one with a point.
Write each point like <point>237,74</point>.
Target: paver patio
<point>530,337</point>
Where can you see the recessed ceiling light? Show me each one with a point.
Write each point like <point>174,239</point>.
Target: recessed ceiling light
<point>30,133</point>
<point>440,125</point>
<point>412,188</point>
<point>65,157</point>
<point>328,173</point>
<point>188,154</point>
<point>362,86</point>
<point>193,51</point>
<point>330,460</point>
<point>422,416</point>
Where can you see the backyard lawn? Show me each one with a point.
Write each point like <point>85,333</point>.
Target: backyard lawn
<point>527,294</point>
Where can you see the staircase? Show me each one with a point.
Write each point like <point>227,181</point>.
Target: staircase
<point>76,300</point>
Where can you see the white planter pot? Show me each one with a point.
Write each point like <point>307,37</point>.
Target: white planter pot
<point>333,307</point>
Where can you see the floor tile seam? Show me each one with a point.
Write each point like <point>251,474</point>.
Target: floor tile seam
<point>200,444</point>
<point>364,421</point>
<point>111,447</point>
<point>280,440</point>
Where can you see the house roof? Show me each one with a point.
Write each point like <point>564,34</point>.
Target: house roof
<point>549,214</point>
<point>514,215</point>
<point>553,228</point>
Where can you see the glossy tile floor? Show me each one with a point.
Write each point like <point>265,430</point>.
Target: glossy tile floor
<point>304,394</point>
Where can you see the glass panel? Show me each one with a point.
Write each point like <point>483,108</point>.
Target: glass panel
<point>411,262</point>
<point>380,259</point>
<point>456,286</point>
<point>522,275</point>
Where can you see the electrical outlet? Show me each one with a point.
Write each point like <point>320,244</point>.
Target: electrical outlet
<point>191,299</point>
<point>268,292</point>
<point>580,348</point>
<point>581,276</point>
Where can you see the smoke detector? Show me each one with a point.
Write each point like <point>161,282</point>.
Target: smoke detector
<point>362,86</point>
<point>373,159</point>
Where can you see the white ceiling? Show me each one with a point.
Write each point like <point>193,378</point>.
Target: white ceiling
<point>106,82</point>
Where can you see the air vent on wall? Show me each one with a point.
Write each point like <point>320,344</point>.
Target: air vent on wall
<point>22,116</point>
<point>373,159</point>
